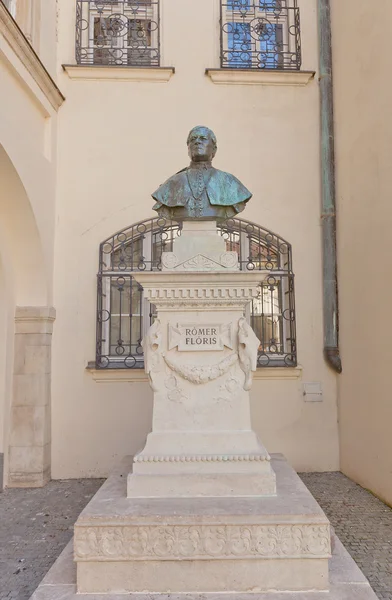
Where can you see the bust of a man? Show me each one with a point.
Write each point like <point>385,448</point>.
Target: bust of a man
<point>201,192</point>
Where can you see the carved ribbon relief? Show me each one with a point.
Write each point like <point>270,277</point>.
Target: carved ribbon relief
<point>151,345</point>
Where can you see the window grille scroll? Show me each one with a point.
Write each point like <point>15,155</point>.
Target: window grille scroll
<point>118,32</point>
<point>260,34</point>
<point>123,315</point>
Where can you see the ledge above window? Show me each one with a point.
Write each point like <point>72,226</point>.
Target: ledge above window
<point>119,73</point>
<point>260,76</point>
<point>139,375</point>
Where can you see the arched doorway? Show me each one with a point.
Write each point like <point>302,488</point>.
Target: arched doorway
<point>25,332</point>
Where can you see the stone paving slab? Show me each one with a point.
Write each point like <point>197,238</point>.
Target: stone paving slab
<point>36,524</point>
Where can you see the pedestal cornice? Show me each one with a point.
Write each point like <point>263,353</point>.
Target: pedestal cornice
<point>200,290</point>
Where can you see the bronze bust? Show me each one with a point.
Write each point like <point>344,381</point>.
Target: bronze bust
<point>201,192</point>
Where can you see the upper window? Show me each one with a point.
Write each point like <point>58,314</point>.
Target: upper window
<point>117,32</point>
<point>124,315</point>
<point>260,34</point>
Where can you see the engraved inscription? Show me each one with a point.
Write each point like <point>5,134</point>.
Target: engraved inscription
<point>207,337</point>
<point>200,337</point>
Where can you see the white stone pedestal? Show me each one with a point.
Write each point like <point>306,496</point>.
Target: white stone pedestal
<point>199,355</point>
<point>273,548</point>
<point>204,514</point>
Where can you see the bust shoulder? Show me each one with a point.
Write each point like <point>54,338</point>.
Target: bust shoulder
<point>226,190</point>
<point>171,192</point>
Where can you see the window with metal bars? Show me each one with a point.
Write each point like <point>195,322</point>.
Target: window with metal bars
<point>118,32</point>
<point>123,315</point>
<point>260,34</point>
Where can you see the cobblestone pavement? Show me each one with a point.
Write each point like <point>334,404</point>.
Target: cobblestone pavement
<point>362,522</point>
<point>36,524</point>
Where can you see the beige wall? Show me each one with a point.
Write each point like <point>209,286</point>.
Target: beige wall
<point>27,211</point>
<point>363,99</point>
<point>118,140</point>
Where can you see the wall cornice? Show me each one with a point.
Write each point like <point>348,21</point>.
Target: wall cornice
<point>19,44</point>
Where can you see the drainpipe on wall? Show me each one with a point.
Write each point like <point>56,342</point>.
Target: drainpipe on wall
<point>328,212</point>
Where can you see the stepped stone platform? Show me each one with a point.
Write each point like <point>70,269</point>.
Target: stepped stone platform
<point>282,544</point>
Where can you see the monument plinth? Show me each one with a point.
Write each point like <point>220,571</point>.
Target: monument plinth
<point>202,510</point>
<point>200,355</point>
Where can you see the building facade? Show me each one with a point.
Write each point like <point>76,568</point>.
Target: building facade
<point>99,98</point>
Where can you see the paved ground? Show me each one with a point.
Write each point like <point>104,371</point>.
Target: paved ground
<point>35,525</point>
<point>362,522</point>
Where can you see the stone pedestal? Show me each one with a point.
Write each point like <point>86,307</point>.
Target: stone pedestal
<point>184,545</point>
<point>199,355</point>
<point>273,548</point>
<point>203,511</point>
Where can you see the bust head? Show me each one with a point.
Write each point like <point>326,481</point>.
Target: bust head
<point>202,144</point>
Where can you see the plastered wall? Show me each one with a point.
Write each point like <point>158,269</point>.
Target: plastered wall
<point>27,212</point>
<point>117,142</point>
<point>363,98</point>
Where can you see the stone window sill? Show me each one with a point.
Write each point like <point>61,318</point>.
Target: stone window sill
<point>119,73</point>
<point>260,77</point>
<point>139,375</point>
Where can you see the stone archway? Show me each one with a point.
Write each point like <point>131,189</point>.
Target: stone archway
<point>25,341</point>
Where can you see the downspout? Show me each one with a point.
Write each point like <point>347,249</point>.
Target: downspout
<point>328,211</point>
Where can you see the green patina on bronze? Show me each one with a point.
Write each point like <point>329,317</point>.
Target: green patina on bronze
<point>201,192</point>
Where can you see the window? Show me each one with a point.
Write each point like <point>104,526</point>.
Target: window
<point>123,315</point>
<point>260,34</point>
<point>117,32</point>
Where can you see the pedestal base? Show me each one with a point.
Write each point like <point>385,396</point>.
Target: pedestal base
<point>223,485</point>
<point>184,465</point>
<point>205,544</point>
<point>275,548</point>
<point>346,583</point>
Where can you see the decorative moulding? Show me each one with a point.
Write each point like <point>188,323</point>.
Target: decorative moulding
<point>119,73</point>
<point>139,376</point>
<point>20,45</point>
<point>208,542</point>
<point>259,77</point>
<point>204,458</point>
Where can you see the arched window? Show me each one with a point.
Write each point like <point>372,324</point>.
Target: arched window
<point>123,315</point>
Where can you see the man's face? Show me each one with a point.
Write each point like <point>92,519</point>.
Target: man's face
<point>200,145</point>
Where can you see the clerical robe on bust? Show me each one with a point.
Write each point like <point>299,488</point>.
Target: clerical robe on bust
<point>200,191</point>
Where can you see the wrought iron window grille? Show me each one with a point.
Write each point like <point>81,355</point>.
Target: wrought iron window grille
<point>118,32</point>
<point>123,315</point>
<point>260,34</point>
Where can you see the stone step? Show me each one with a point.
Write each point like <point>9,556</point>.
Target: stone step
<point>346,583</point>
<point>220,544</point>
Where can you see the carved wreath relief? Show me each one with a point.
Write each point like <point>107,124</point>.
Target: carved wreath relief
<point>198,337</point>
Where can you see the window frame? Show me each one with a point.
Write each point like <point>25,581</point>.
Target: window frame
<point>286,14</point>
<point>88,11</point>
<point>258,249</point>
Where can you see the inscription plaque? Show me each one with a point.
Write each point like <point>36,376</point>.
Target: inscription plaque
<point>199,337</point>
